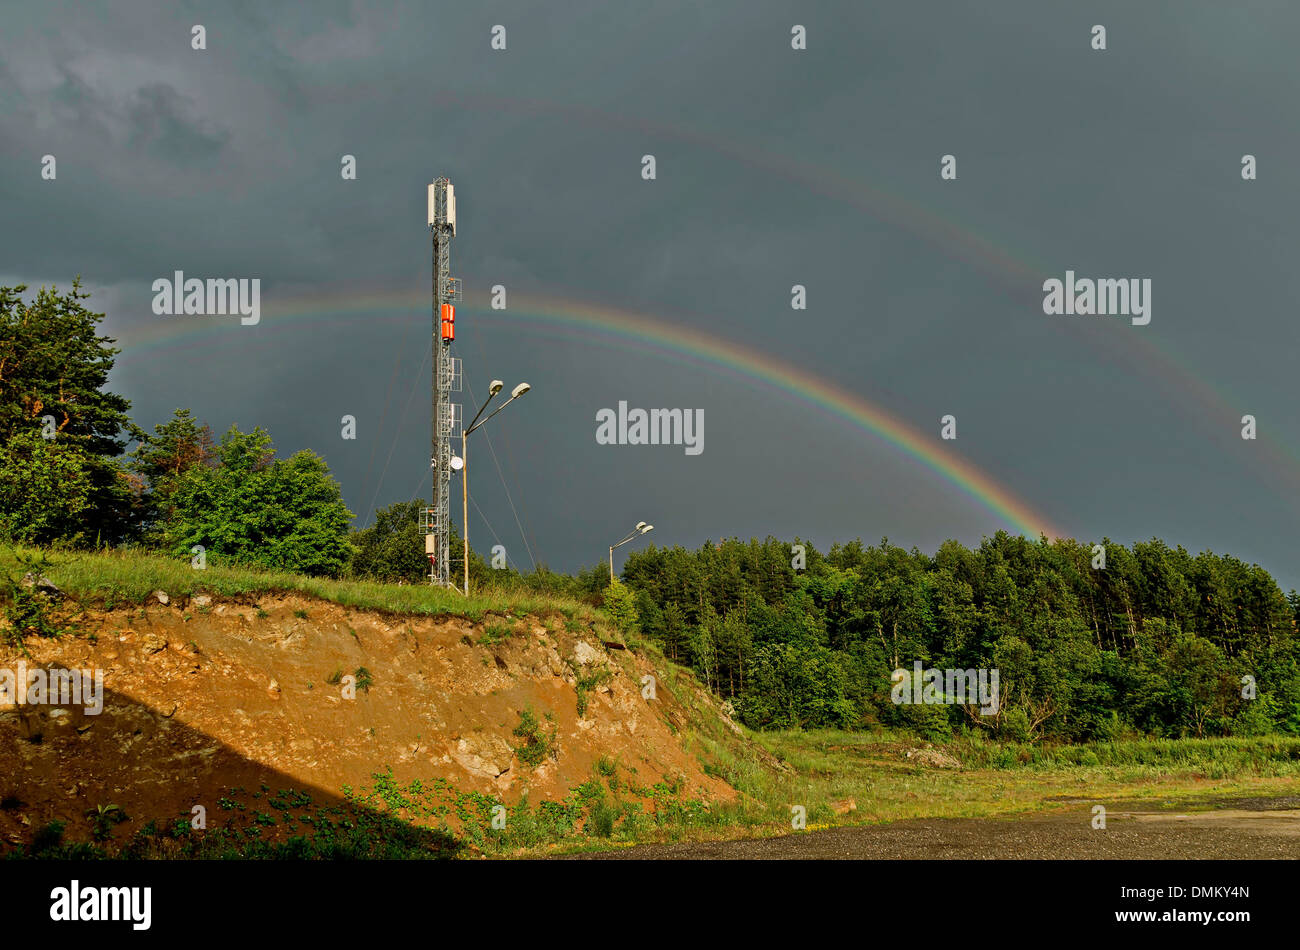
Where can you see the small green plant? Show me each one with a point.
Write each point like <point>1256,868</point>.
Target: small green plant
<point>30,610</point>
<point>48,837</point>
<point>288,798</point>
<point>363,678</point>
<point>300,614</point>
<point>262,614</point>
<point>335,678</point>
<point>495,633</point>
<point>587,682</point>
<point>102,820</point>
<point>603,817</point>
<point>537,746</point>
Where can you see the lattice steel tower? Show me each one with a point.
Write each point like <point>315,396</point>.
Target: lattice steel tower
<point>436,521</point>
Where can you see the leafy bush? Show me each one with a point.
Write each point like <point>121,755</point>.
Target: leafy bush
<point>620,607</point>
<point>251,508</point>
<point>537,746</point>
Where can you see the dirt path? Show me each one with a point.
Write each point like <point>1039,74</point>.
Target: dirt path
<point>1242,828</point>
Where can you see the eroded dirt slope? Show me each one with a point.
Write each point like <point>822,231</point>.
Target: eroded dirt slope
<point>201,697</point>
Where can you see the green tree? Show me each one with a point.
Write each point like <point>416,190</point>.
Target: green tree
<point>45,489</point>
<point>620,606</point>
<point>254,509</point>
<point>54,367</point>
<point>676,633</point>
<point>161,459</point>
<point>392,550</point>
<point>1201,681</point>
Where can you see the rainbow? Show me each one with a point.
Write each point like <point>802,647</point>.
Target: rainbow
<point>641,333</point>
<point>1149,354</point>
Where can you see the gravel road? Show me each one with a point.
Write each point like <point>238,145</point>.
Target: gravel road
<point>1241,828</point>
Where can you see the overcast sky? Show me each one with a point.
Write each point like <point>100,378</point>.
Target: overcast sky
<point>774,167</point>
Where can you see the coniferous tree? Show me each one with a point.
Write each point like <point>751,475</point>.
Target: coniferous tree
<point>54,368</point>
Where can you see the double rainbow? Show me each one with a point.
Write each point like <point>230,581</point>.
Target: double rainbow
<point>642,333</point>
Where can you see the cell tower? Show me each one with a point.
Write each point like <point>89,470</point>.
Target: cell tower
<point>446,379</point>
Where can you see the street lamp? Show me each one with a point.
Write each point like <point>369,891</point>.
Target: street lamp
<point>640,529</point>
<point>493,389</point>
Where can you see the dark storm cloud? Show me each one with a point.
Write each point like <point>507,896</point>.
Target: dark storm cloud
<point>775,168</point>
<point>76,104</point>
<point>161,123</point>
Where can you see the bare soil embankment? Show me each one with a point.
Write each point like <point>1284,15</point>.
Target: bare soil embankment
<point>204,696</point>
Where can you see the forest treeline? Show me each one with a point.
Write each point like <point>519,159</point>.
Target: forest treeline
<point>1157,641</point>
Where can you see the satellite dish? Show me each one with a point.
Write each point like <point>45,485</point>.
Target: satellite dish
<point>457,463</point>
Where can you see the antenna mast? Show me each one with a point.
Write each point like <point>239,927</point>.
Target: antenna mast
<point>436,521</point>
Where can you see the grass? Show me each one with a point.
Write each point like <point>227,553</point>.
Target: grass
<point>587,682</point>
<point>495,633</point>
<point>296,828</point>
<point>816,769</point>
<point>118,578</point>
<point>997,779</point>
<point>382,820</point>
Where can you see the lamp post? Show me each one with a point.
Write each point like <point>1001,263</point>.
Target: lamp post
<point>493,389</point>
<point>640,529</point>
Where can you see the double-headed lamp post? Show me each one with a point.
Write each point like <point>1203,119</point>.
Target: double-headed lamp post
<point>640,529</point>
<point>495,388</point>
